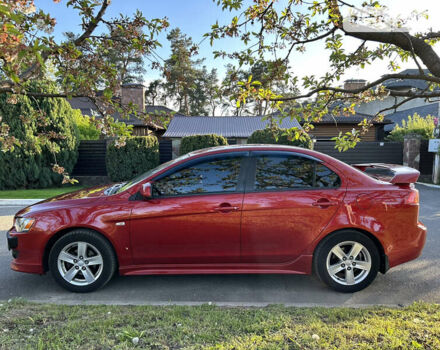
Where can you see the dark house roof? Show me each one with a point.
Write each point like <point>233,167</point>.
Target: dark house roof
<point>151,110</point>
<point>401,84</point>
<point>343,119</point>
<point>350,119</point>
<point>423,111</point>
<point>86,106</point>
<point>241,127</point>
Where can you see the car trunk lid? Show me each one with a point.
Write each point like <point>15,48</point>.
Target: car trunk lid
<point>392,173</point>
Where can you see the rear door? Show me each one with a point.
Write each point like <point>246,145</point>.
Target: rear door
<point>289,199</point>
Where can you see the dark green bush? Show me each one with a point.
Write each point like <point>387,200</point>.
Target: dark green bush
<point>29,165</point>
<point>192,143</point>
<point>86,129</point>
<point>414,125</point>
<point>140,153</point>
<point>280,136</point>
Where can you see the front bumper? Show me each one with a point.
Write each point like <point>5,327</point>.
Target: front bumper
<point>25,251</point>
<point>12,241</point>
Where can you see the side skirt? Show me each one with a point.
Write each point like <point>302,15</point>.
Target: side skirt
<point>301,266</point>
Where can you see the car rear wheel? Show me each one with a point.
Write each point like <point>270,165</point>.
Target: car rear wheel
<point>82,261</point>
<point>347,261</point>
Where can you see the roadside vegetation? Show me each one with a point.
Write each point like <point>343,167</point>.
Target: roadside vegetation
<point>38,192</point>
<point>25,325</point>
<point>424,127</point>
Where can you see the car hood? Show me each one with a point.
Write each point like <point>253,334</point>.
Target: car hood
<point>71,199</point>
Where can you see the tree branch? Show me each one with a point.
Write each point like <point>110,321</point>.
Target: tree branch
<point>367,87</point>
<point>91,26</point>
<point>301,42</point>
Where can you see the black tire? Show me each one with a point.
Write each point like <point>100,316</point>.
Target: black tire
<point>322,254</point>
<point>95,243</point>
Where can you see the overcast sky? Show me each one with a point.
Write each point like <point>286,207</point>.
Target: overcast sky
<point>195,18</point>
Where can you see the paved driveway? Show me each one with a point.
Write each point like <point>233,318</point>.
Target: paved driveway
<point>416,280</point>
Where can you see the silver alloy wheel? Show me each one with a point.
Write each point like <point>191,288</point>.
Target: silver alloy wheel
<point>348,263</point>
<point>80,263</point>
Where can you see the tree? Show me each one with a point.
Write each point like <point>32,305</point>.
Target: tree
<point>211,90</point>
<point>46,140</point>
<point>128,62</point>
<point>27,48</point>
<point>154,92</point>
<point>268,30</point>
<point>184,76</point>
<point>271,75</point>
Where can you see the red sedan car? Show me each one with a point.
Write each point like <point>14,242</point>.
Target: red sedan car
<point>233,209</point>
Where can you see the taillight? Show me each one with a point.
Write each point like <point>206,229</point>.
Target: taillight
<point>413,197</point>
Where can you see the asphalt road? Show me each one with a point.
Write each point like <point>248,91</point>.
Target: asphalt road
<point>413,281</point>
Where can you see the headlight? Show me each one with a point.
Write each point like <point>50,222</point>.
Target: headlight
<point>23,224</point>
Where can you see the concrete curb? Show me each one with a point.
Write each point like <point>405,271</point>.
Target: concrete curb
<point>428,185</point>
<point>18,202</point>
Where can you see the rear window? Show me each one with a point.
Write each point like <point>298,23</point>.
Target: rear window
<point>282,172</point>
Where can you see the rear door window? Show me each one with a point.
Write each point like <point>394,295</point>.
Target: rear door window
<point>284,171</point>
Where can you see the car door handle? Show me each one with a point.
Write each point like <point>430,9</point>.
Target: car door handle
<point>324,203</point>
<point>225,208</point>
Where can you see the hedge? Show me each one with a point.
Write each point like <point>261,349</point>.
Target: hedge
<point>29,164</point>
<point>192,143</point>
<point>279,136</point>
<point>86,130</point>
<point>140,153</point>
<point>423,126</point>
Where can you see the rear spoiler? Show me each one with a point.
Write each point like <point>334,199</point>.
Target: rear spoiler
<point>396,174</point>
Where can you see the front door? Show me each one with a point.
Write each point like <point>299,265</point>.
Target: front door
<point>288,201</point>
<point>194,217</point>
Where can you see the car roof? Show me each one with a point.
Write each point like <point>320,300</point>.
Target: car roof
<point>247,147</point>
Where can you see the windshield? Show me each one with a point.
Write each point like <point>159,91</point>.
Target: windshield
<point>149,173</point>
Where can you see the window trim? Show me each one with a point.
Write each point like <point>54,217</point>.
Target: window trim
<point>252,172</point>
<point>194,161</point>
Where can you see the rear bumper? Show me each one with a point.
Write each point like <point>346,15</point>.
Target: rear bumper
<point>413,251</point>
<point>25,252</point>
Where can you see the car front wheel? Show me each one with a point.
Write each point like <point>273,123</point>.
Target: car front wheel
<point>82,261</point>
<point>347,261</point>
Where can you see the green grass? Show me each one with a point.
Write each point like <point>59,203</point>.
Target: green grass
<point>24,325</point>
<point>38,193</point>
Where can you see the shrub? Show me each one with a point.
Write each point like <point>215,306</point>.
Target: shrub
<point>275,135</point>
<point>86,129</point>
<point>139,154</point>
<point>415,125</point>
<point>192,143</point>
<point>29,164</point>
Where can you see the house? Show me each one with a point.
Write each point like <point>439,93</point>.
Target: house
<point>420,106</point>
<point>131,93</point>
<point>330,126</point>
<point>236,129</point>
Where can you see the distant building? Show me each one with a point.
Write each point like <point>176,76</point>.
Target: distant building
<point>236,129</point>
<point>420,106</point>
<point>130,93</point>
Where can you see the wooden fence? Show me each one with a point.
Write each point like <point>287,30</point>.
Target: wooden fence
<point>91,159</point>
<point>365,152</point>
<point>426,159</point>
<point>165,151</point>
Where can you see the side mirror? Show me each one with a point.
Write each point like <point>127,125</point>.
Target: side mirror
<point>147,190</point>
